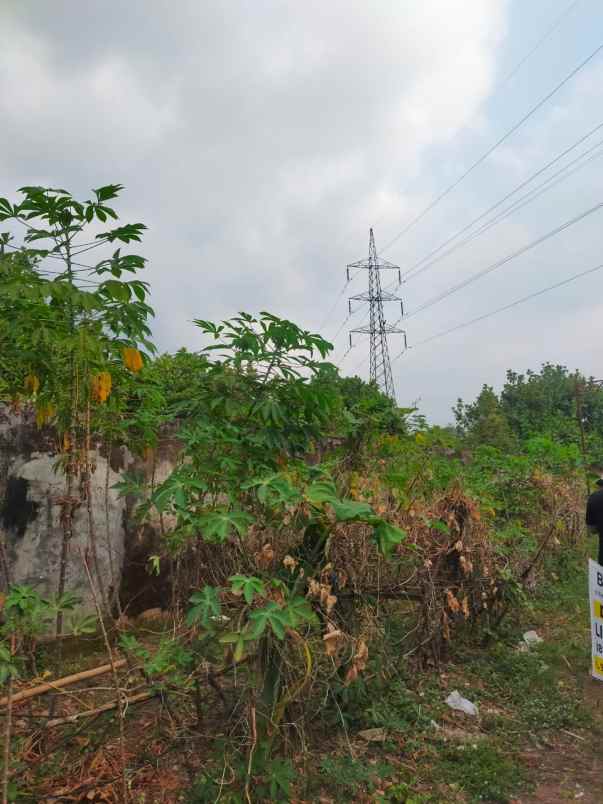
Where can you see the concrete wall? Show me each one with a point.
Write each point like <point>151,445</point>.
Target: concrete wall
<point>31,487</point>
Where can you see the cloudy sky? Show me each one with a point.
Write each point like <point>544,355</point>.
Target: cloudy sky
<point>260,140</point>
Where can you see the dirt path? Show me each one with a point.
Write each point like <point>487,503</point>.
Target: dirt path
<point>571,769</point>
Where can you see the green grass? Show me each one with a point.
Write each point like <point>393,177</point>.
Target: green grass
<point>345,777</point>
<point>481,771</point>
<point>524,699</point>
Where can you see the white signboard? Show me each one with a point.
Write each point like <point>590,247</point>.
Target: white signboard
<point>595,587</point>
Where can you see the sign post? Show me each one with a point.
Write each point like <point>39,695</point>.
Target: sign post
<point>595,588</point>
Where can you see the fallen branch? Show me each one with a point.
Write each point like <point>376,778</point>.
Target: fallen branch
<point>33,692</point>
<point>60,721</point>
<point>99,612</point>
<point>7,731</point>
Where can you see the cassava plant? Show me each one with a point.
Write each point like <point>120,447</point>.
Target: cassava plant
<point>70,331</point>
<point>250,513</point>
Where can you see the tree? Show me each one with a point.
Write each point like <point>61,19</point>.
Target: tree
<point>483,422</point>
<point>545,403</point>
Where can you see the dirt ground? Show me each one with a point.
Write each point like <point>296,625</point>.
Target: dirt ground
<point>572,768</point>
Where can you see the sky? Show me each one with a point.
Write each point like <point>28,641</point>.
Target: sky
<point>259,141</point>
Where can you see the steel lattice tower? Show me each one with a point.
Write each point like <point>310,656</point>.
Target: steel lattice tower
<point>378,329</point>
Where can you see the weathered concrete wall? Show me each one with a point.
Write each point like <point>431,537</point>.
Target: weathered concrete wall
<point>34,547</point>
<point>31,487</point>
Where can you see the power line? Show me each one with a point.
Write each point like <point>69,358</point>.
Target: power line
<point>522,202</point>
<point>341,327</point>
<point>557,178</point>
<point>501,309</point>
<point>514,70</point>
<point>412,272</point>
<point>499,263</point>
<point>450,291</point>
<point>336,302</point>
<point>81,265</point>
<point>492,148</point>
<point>557,22</point>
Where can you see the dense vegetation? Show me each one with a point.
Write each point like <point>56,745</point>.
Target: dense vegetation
<point>315,538</point>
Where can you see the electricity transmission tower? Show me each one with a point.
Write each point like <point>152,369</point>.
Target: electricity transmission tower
<point>377,329</point>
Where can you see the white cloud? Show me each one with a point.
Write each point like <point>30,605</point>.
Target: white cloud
<point>260,141</point>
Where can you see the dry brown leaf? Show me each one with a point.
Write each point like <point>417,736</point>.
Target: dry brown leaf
<point>289,563</point>
<point>445,626</point>
<point>332,641</point>
<point>453,603</point>
<point>265,557</point>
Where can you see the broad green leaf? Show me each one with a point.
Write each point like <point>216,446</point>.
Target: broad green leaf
<point>346,510</point>
<point>271,614</point>
<point>216,526</point>
<point>248,586</point>
<point>275,490</point>
<point>300,610</point>
<point>206,607</point>
<point>387,537</point>
<point>321,491</point>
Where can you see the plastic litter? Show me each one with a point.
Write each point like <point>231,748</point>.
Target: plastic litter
<point>532,638</point>
<point>456,701</point>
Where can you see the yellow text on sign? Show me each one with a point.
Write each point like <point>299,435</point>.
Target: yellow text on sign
<point>598,664</point>
<point>598,608</point>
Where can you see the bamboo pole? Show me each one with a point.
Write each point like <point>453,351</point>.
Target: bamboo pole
<point>33,692</point>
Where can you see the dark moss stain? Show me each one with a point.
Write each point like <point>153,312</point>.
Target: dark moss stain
<point>17,511</point>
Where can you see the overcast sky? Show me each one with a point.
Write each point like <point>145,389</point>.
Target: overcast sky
<point>260,140</point>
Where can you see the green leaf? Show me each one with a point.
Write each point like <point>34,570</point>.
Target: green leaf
<point>300,610</point>
<point>281,774</point>
<point>274,490</point>
<point>107,192</point>
<point>346,510</point>
<point>248,586</point>
<point>116,290</point>
<point>387,537</point>
<point>130,644</point>
<point>85,624</point>
<point>321,491</point>
<point>216,526</point>
<point>206,608</point>
<point>271,614</point>
<point>125,234</point>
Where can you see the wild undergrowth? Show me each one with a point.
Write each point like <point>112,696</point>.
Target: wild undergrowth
<point>332,565</point>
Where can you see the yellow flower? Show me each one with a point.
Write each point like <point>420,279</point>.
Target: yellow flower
<point>101,386</point>
<point>31,383</point>
<point>132,358</point>
<point>44,413</point>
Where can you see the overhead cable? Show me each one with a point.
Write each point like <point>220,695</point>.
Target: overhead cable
<point>499,263</point>
<point>493,147</point>
<point>412,271</point>
<point>475,320</point>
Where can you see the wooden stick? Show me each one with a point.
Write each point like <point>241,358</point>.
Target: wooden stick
<point>62,682</point>
<point>8,728</point>
<point>60,721</point>
<point>118,691</point>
